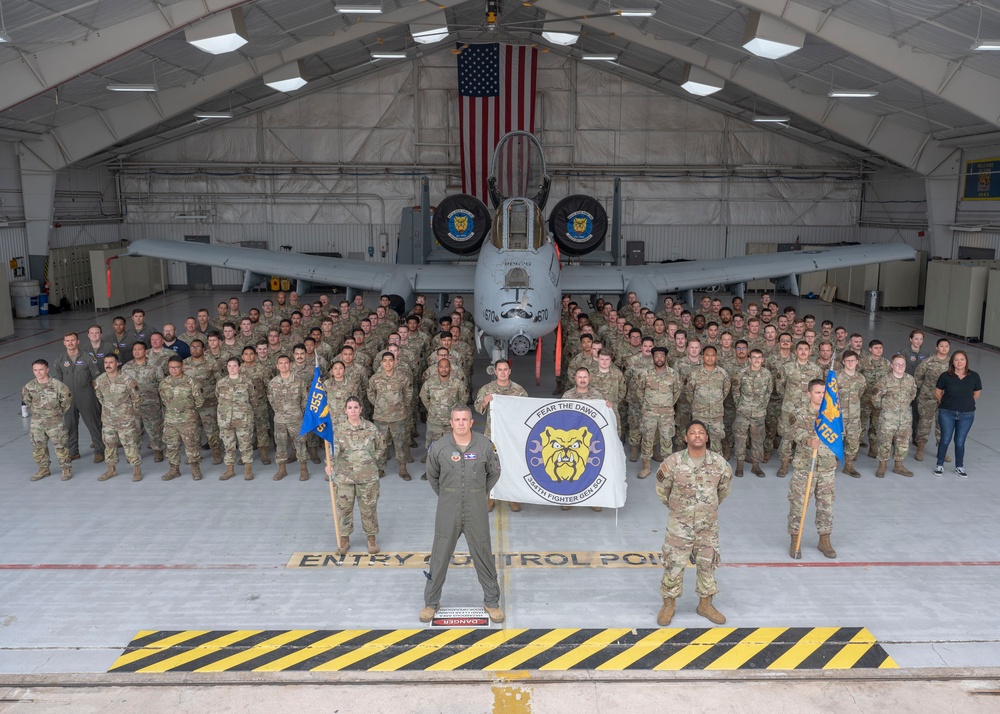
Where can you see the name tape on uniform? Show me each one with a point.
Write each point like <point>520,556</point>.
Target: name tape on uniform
<point>541,559</point>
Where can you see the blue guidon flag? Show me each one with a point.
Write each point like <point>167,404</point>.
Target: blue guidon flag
<point>317,415</point>
<point>829,421</point>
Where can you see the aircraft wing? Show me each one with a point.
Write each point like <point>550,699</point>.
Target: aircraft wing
<point>674,277</point>
<point>359,274</point>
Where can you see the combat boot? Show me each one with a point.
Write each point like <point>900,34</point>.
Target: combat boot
<point>646,466</point>
<point>282,472</point>
<point>657,452</point>
<point>136,473</point>
<point>919,456</point>
<point>739,469</point>
<point>849,467</point>
<point>345,545</point>
<point>825,547</point>
<point>265,457</point>
<point>303,472</point>
<point>216,455</point>
<point>403,473</point>
<point>666,612</point>
<point>229,473</point>
<point>157,455</point>
<point>880,471</point>
<point>372,545</point>
<point>247,472</point>
<point>110,473</point>
<point>756,470</point>
<point>42,472</point>
<point>67,473</point>
<point>900,469</point>
<point>792,550</point>
<point>196,471</point>
<point>98,458</point>
<point>783,471</point>
<point>172,473</point>
<point>727,452</point>
<point>633,453</point>
<point>872,452</point>
<point>427,614</point>
<point>495,613</point>
<point>313,454</point>
<point>707,610</point>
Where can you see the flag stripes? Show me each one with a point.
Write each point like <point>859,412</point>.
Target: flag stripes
<point>554,649</point>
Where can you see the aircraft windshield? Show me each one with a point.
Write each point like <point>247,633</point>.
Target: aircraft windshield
<point>518,169</point>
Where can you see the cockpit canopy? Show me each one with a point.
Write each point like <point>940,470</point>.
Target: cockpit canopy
<point>519,225</point>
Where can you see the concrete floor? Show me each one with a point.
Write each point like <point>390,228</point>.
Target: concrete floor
<point>85,565</point>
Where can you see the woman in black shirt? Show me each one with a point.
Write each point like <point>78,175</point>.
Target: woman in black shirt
<point>957,391</point>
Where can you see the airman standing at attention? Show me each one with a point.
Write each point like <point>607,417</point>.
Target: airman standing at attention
<point>49,400</point>
<point>355,474</point>
<point>287,395</point>
<point>801,428</point>
<point>148,376</point>
<point>873,366</point>
<point>707,387</point>
<point>792,383</point>
<point>692,483</point>
<point>389,391</point>
<point>202,369</point>
<point>235,394</point>
<point>118,394</point>
<point>182,399</point>
<point>257,371</point>
<point>77,370</point>
<point>893,394</point>
<point>660,389</point>
<point>504,386</point>
<point>850,386</point>
<point>926,376</point>
<point>752,386</point>
<point>439,394</point>
<point>610,382</point>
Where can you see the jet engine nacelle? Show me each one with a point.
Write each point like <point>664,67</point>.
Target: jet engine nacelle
<point>461,223</point>
<point>579,224</point>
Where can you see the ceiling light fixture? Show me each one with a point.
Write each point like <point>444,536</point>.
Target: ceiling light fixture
<point>770,38</point>
<point>700,82</point>
<point>220,33</point>
<point>979,45</point>
<point>191,216</point>
<point>213,115</point>
<point>600,58</point>
<point>4,37</point>
<point>358,9</point>
<point>287,78</point>
<point>431,29</point>
<point>634,12</point>
<point>132,87</point>
<point>840,93</point>
<point>771,119</point>
<point>561,33</point>
<point>388,55</point>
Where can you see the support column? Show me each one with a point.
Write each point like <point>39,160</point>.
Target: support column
<point>942,186</point>
<point>38,192</point>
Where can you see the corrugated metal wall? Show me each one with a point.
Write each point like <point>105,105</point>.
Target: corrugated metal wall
<point>978,240</point>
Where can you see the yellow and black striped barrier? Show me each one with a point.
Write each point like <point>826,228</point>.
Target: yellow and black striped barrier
<point>716,648</point>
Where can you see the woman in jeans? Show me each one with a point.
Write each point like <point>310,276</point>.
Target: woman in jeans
<point>957,391</point>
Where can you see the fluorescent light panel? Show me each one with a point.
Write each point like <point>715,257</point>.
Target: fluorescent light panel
<point>986,45</point>
<point>700,82</point>
<point>600,58</point>
<point>840,93</point>
<point>561,32</point>
<point>220,33</point>
<point>287,78</point>
<point>771,119</point>
<point>388,55</point>
<point>358,9</point>
<point>770,38</point>
<point>132,87</point>
<point>429,37</point>
<point>213,115</point>
<point>634,12</point>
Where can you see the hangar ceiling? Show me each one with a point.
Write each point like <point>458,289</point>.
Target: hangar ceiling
<point>934,91</point>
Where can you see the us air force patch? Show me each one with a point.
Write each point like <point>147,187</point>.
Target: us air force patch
<point>565,452</point>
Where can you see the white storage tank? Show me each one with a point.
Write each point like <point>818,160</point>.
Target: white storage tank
<point>24,296</point>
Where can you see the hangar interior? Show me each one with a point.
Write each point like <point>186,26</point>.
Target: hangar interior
<point>330,167</point>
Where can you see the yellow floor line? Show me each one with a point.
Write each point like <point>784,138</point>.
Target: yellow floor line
<point>536,647</point>
<point>365,650</point>
<point>851,652</point>
<point>318,647</point>
<point>742,652</point>
<point>158,646</point>
<point>699,646</point>
<point>250,653</point>
<point>595,644</point>
<point>640,649</point>
<point>803,648</point>
<point>480,648</point>
<point>200,651</point>
<point>418,651</point>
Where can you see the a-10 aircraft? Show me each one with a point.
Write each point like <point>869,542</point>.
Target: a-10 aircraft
<point>518,280</point>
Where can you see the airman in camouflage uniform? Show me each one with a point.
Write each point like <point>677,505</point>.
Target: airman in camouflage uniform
<point>850,387</point>
<point>504,386</point>
<point>439,394</point>
<point>338,388</point>
<point>893,395</point>
<point>874,367</point>
<point>682,410</point>
<point>235,394</point>
<point>801,428</point>
<point>150,415</point>
<point>120,401</point>
<point>752,387</point>
<point>792,383</point>
<point>389,391</point>
<point>182,398</point>
<point>926,376</point>
<point>202,368</point>
<point>49,400</point>
<point>357,444</point>
<point>660,389</point>
<point>636,367</point>
<point>692,483</point>
<point>287,395</point>
<point>257,371</point>
<point>707,388</point>
<point>775,363</point>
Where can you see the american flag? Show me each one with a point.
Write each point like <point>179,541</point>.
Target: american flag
<point>496,88</point>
